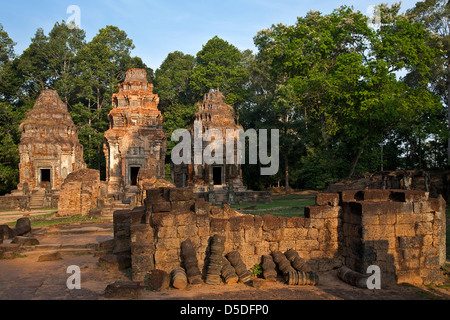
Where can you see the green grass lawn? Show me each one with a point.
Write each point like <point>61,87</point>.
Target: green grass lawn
<point>284,206</point>
<point>50,219</point>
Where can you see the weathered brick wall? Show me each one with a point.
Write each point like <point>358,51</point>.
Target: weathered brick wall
<point>79,193</point>
<point>176,216</point>
<point>402,232</point>
<point>13,202</point>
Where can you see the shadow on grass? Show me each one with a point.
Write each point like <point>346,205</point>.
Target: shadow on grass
<point>281,206</point>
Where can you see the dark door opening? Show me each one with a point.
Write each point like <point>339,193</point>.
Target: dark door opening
<point>45,177</point>
<point>134,171</point>
<point>217,176</point>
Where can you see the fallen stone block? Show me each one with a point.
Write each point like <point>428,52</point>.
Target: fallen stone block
<point>182,206</point>
<point>123,290</point>
<point>25,241</point>
<point>259,283</point>
<point>115,261</point>
<point>23,226</point>
<point>6,232</point>
<point>353,278</point>
<point>8,255</point>
<point>409,195</point>
<point>9,247</point>
<point>201,207</point>
<point>50,257</point>
<point>348,195</point>
<point>95,213</point>
<point>162,206</point>
<point>181,194</point>
<point>327,199</point>
<point>157,280</point>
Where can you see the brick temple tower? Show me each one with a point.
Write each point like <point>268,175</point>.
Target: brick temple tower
<point>49,148</point>
<point>212,113</point>
<point>135,139</point>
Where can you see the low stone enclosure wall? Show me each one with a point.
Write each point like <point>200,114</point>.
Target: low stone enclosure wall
<point>237,197</point>
<point>19,200</point>
<point>401,231</point>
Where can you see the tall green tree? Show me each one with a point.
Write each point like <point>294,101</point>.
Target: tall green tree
<point>337,76</point>
<point>435,15</point>
<point>220,65</point>
<point>172,80</point>
<point>177,98</point>
<point>9,133</point>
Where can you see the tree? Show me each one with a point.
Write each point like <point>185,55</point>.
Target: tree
<point>9,153</point>
<point>177,99</point>
<point>336,78</point>
<point>62,50</point>
<point>434,14</point>
<point>9,133</point>
<point>220,65</point>
<point>172,80</point>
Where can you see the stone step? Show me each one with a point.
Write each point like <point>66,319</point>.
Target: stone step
<point>57,247</point>
<point>61,251</point>
<point>81,230</point>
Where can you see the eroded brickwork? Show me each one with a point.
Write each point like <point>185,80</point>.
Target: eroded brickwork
<point>79,193</point>
<point>402,232</point>
<point>212,114</point>
<point>49,148</point>
<point>135,138</point>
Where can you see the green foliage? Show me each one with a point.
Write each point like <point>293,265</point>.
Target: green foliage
<point>220,65</point>
<point>9,154</point>
<point>329,83</point>
<point>177,117</point>
<point>172,80</point>
<point>336,94</point>
<point>256,270</point>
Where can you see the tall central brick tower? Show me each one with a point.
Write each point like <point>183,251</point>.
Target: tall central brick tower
<point>135,139</point>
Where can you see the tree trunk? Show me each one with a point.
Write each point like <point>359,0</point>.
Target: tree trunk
<point>448,107</point>
<point>286,170</point>
<point>358,155</point>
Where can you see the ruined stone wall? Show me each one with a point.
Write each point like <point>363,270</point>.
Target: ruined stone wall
<point>79,193</point>
<point>436,182</point>
<point>171,216</point>
<point>402,232</point>
<point>13,202</point>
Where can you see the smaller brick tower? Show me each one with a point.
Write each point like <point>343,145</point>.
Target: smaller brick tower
<point>49,148</point>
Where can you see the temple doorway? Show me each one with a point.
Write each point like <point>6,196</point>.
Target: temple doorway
<point>134,171</point>
<point>45,177</point>
<point>217,176</point>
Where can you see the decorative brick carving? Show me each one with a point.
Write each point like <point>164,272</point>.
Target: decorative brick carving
<point>49,148</point>
<point>135,139</point>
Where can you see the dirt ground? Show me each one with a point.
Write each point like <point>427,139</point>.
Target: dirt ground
<point>24,278</point>
<point>27,279</point>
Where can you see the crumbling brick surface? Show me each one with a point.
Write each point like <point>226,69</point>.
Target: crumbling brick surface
<point>135,138</point>
<point>400,231</point>
<point>49,141</point>
<point>404,235</point>
<point>79,193</point>
<point>213,114</point>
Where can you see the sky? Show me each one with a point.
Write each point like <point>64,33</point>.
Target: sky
<point>159,27</point>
